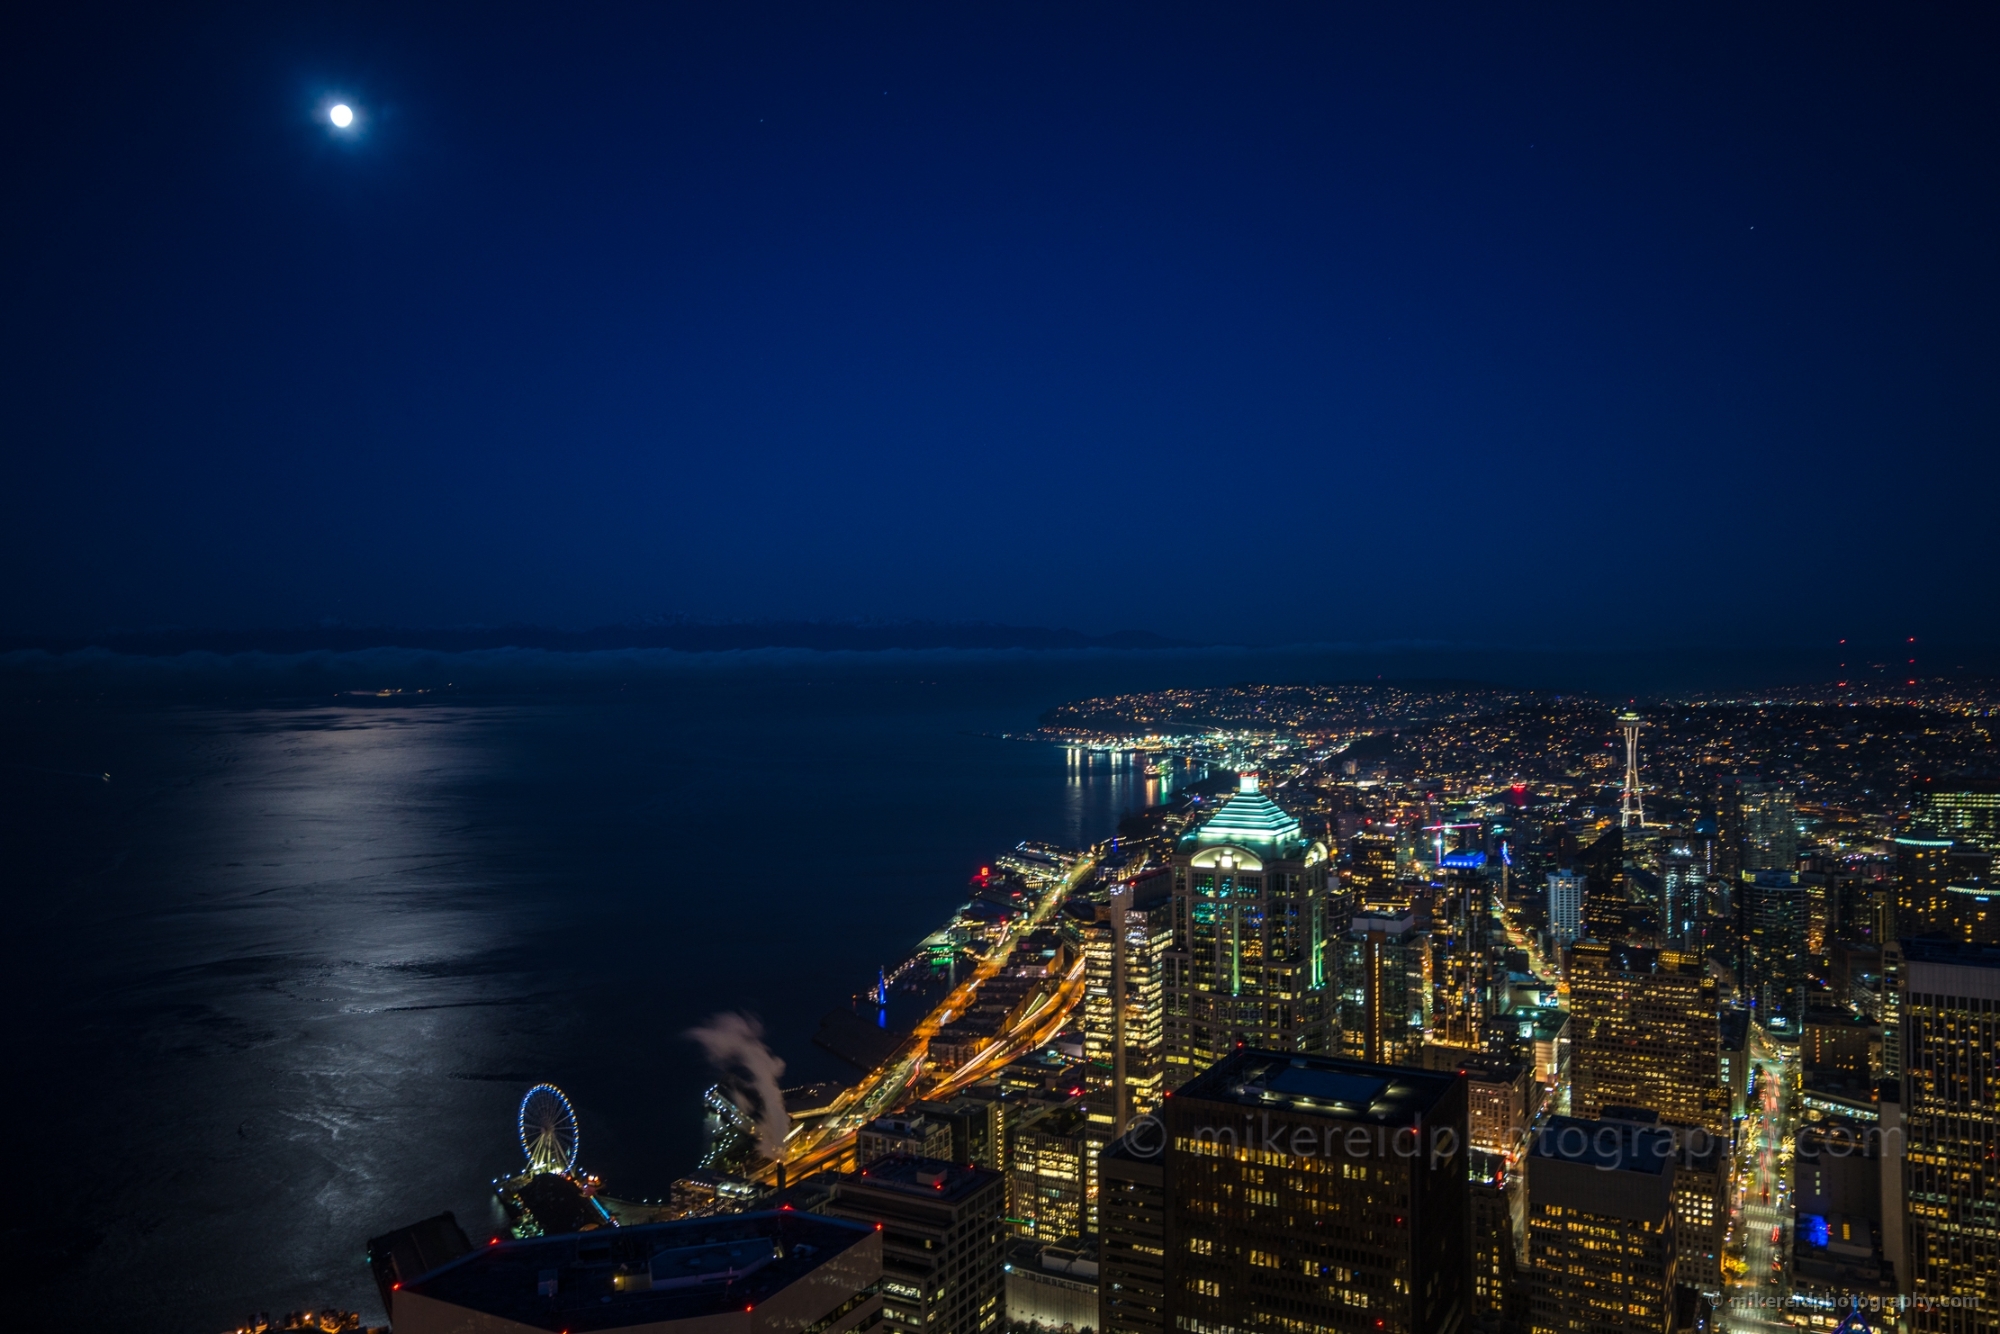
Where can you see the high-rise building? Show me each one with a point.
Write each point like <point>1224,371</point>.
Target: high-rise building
<point>1308,1192</point>
<point>1853,909</point>
<point>1682,881</point>
<point>1132,1254</point>
<point>1837,1254</point>
<point>1951,1119</point>
<point>1601,1239</point>
<point>918,1136</point>
<point>1248,963</point>
<point>1820,909</point>
<point>1371,877</point>
<point>977,1117</point>
<point>1464,1002</point>
<point>1382,982</point>
<point>1700,1196</point>
<point>1962,813</point>
<point>1052,1173</point>
<point>1701,1208</point>
<point>1148,939</point>
<point>1565,907</point>
<point>1608,909</point>
<point>1645,1033</point>
<point>1923,882</point>
<point>1498,1097</point>
<point>1971,908</point>
<point>1734,1030</point>
<point>1052,1284</point>
<point>1974,914</point>
<point>1838,1043</point>
<point>1889,1176</point>
<point>754,1272</point>
<point>1496,1289</point>
<point>1765,826</point>
<point>941,1228</point>
<point>1774,960</point>
<point>1891,1016</point>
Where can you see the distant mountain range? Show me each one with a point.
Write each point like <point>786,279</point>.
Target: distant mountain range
<point>682,634</point>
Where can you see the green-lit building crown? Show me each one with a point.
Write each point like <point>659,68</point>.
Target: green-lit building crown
<point>1249,819</point>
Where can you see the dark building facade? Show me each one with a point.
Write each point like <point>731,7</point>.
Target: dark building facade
<point>1775,957</point>
<point>1132,1249</point>
<point>941,1241</point>
<point>1310,1192</point>
<point>1496,1292</point>
<point>1601,1238</point>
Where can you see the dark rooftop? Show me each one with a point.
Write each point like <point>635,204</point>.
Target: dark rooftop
<point>1829,1016</point>
<point>1640,960</point>
<point>932,1178</point>
<point>616,1277</point>
<point>1612,1146</point>
<point>1936,949</point>
<point>1491,1069</point>
<point>413,1251</point>
<point>1134,1147</point>
<point>1321,1086</point>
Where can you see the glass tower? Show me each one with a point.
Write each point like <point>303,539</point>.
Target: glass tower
<point>1250,928</point>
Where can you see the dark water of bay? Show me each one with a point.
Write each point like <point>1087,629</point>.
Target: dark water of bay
<point>279,983</point>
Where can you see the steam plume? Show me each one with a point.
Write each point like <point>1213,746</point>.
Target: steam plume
<point>735,1046</point>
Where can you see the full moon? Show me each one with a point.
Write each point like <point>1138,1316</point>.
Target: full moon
<point>342,115</point>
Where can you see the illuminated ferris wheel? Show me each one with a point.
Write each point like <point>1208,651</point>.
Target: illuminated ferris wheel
<point>548,1131</point>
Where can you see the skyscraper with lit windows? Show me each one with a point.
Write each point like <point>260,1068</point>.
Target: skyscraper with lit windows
<point>1372,879</point>
<point>1682,880</point>
<point>1602,1247</point>
<point>1311,1193</point>
<point>1950,1025</point>
<point>1380,968</point>
<point>1645,1032</point>
<point>1148,938</point>
<point>1774,961</point>
<point>1923,878</point>
<point>1248,962</point>
<point>1963,813</point>
<point>1565,890</point>
<point>1762,825</point>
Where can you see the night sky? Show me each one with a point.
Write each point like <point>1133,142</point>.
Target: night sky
<point>1607,325</point>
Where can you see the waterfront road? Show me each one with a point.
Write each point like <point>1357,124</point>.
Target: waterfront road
<point>1760,1234</point>
<point>813,1147</point>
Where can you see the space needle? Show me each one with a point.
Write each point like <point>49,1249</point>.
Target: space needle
<point>1632,813</point>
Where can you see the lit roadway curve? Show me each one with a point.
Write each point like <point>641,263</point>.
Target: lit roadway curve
<point>1761,1212</point>
<point>809,1150</point>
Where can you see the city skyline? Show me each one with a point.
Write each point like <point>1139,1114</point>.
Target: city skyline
<point>1657,1054</point>
<point>633,689</point>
